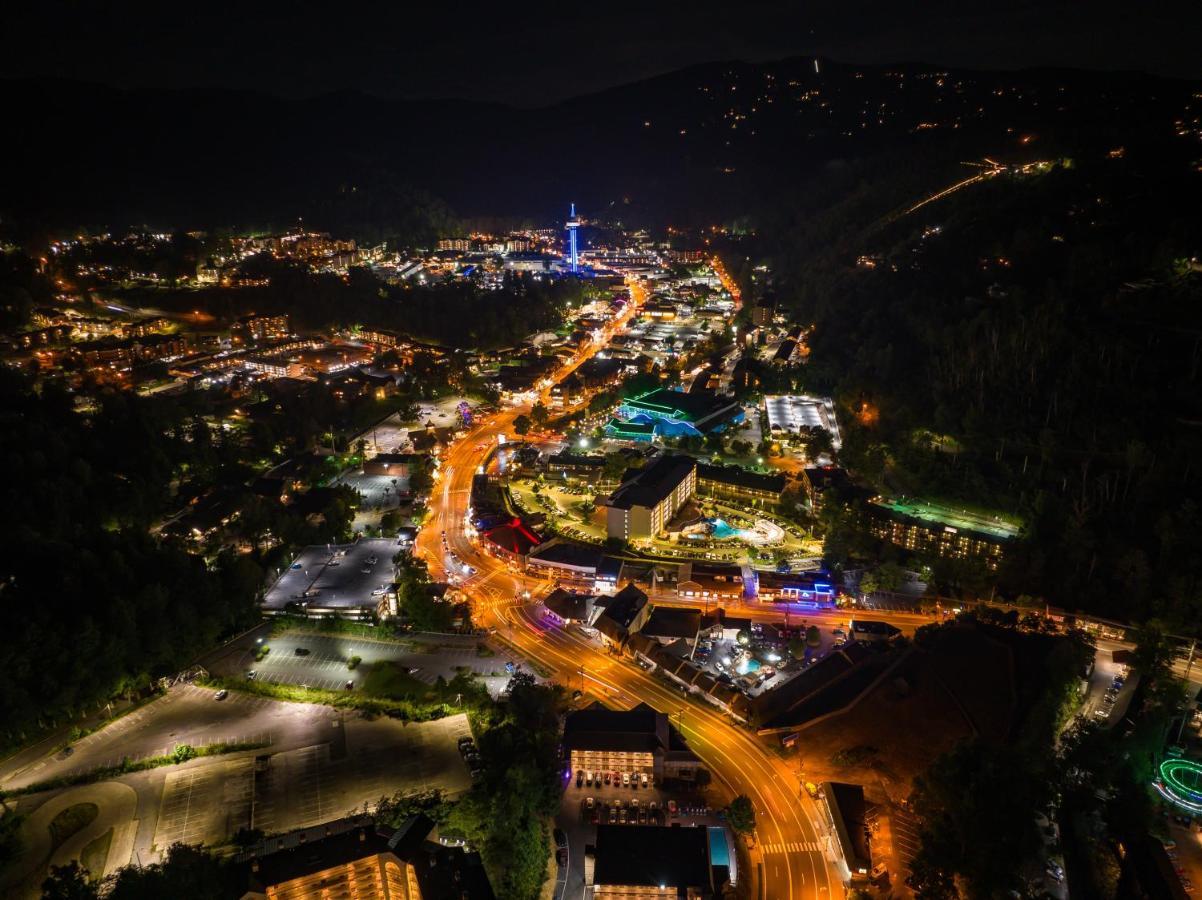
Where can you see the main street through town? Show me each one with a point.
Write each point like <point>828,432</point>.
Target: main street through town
<point>791,849</point>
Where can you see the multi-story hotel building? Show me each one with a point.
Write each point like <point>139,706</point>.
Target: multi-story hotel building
<point>644,503</point>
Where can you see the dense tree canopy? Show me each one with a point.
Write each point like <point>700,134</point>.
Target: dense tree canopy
<point>1021,347</point>
<point>98,605</point>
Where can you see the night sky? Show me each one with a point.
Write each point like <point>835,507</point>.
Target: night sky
<point>532,54</point>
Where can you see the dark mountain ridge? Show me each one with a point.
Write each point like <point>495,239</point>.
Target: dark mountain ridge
<point>701,144</point>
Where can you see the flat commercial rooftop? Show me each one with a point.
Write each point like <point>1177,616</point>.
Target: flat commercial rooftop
<point>335,576</point>
<point>963,519</point>
<point>792,412</point>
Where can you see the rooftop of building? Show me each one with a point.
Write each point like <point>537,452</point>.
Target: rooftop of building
<point>651,484</point>
<point>806,581</point>
<point>678,404</point>
<point>596,368</point>
<point>567,553</point>
<point>310,850</point>
<point>440,871</point>
<point>653,856</point>
<point>610,568</point>
<point>582,460</point>
<point>668,622</point>
<point>719,617</point>
<point>568,605</point>
<point>634,429</point>
<point>737,476</point>
<point>596,727</point>
<point>847,806</point>
<point>823,477</point>
<point>779,706</point>
<point>513,536</point>
<point>624,606</point>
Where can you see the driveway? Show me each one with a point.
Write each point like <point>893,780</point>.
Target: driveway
<point>116,802</point>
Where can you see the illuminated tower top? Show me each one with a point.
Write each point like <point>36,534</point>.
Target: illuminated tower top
<point>573,254</point>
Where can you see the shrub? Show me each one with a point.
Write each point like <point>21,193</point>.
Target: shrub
<point>183,753</point>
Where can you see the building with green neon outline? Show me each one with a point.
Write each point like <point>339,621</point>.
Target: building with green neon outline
<point>664,412</point>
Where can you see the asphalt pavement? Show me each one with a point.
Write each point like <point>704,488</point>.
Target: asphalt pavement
<point>323,663</point>
<point>186,715</point>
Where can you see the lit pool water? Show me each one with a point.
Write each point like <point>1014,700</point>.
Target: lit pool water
<point>747,664</point>
<point>719,851</point>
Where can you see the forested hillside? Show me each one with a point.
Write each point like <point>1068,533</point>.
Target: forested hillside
<point>1031,343</point>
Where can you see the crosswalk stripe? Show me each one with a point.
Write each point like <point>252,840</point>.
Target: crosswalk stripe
<point>792,847</point>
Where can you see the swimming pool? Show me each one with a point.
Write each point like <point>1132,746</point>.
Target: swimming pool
<point>747,664</point>
<point>719,849</point>
<point>722,530</point>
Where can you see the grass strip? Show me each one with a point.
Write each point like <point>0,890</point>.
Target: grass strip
<point>183,753</point>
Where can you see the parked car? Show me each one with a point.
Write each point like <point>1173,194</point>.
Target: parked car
<point>221,694</point>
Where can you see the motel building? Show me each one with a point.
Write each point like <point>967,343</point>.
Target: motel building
<point>637,742</point>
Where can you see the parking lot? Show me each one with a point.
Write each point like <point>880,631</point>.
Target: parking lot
<point>311,785</point>
<point>323,661</point>
<point>334,576</point>
<point>377,491</point>
<point>202,804</point>
<point>392,435</point>
<point>903,829</point>
<point>1110,689</point>
<point>186,715</point>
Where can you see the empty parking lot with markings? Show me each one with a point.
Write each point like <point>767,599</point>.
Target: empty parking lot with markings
<point>205,803</point>
<point>316,763</point>
<point>311,785</point>
<point>322,661</point>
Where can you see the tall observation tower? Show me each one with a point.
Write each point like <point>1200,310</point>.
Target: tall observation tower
<point>573,254</point>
